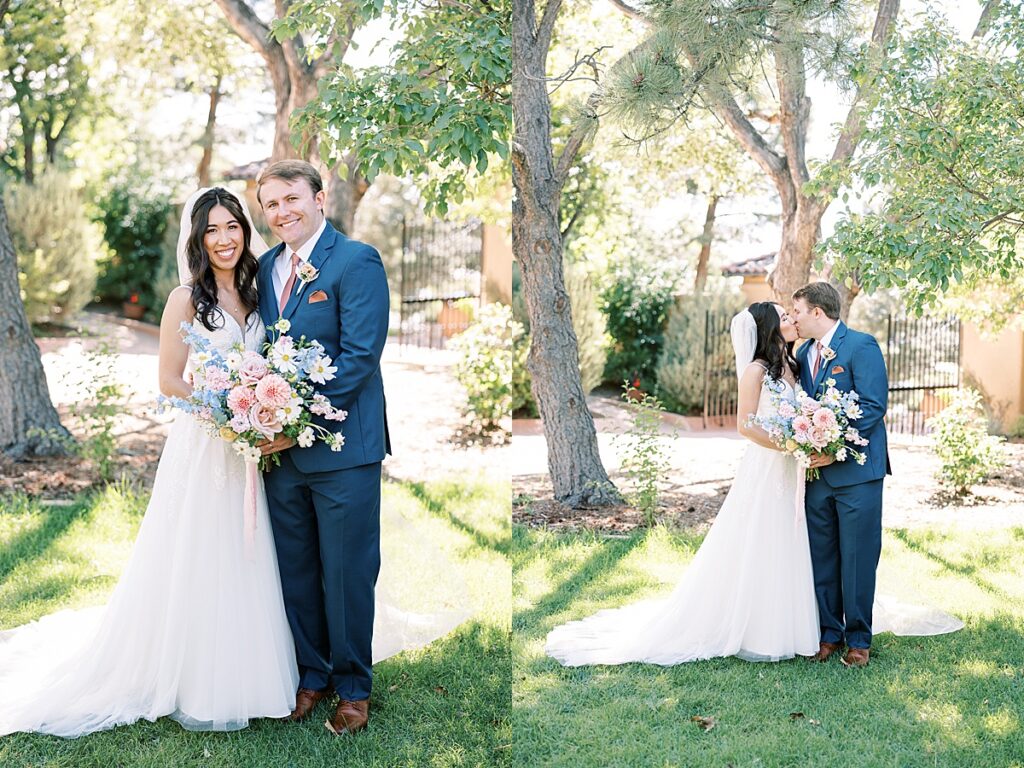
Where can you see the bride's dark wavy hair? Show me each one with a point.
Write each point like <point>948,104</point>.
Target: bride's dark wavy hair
<point>204,285</point>
<point>771,347</point>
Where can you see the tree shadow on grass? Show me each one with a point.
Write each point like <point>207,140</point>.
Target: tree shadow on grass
<point>435,504</point>
<point>918,543</point>
<point>35,540</point>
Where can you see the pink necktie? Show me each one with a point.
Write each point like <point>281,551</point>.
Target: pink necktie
<point>287,292</point>
<point>817,360</point>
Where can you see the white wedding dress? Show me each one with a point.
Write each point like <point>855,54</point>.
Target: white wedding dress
<point>196,627</point>
<point>749,591</point>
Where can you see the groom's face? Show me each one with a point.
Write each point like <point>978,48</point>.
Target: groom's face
<point>293,212</point>
<point>809,320</point>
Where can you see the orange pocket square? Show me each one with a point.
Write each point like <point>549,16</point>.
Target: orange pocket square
<point>838,369</point>
<point>316,296</point>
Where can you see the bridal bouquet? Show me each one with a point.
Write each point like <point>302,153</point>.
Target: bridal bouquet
<point>246,397</point>
<point>814,425</point>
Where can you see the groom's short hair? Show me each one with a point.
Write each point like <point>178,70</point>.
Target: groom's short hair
<point>821,295</point>
<point>290,170</point>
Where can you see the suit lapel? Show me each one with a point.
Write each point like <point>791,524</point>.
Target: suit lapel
<point>834,343</point>
<point>321,251</point>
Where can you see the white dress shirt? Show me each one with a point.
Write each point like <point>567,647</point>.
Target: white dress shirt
<point>283,263</point>
<point>824,341</point>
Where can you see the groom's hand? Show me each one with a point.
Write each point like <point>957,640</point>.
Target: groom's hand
<point>819,460</point>
<point>279,443</point>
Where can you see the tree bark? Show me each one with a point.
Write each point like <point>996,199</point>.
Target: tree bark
<point>25,407</point>
<point>705,245</point>
<point>295,85</point>
<point>209,132</point>
<point>574,462</point>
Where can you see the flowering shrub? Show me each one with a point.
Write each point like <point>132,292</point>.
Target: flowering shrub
<point>960,439</point>
<point>484,368</point>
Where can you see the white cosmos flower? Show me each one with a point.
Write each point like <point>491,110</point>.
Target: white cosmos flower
<point>283,325</point>
<point>290,412</point>
<point>322,371</point>
<point>284,359</point>
<point>233,360</point>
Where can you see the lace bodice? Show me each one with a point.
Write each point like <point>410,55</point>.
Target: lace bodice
<point>228,334</point>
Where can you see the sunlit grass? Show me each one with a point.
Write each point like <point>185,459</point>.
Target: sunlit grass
<point>953,700</point>
<point>445,705</point>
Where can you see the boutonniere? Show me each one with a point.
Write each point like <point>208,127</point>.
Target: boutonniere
<point>307,273</point>
<point>827,353</point>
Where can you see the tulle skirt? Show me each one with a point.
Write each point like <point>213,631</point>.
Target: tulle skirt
<point>195,629</point>
<point>748,591</point>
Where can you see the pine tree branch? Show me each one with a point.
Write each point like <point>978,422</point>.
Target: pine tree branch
<point>854,125</point>
<point>584,127</point>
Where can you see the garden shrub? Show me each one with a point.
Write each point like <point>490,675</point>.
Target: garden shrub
<point>960,438</point>
<point>635,302</point>
<point>680,367</point>
<point>55,243</point>
<point>134,225</point>
<point>484,368</point>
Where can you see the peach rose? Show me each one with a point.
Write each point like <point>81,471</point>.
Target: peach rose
<point>264,420</point>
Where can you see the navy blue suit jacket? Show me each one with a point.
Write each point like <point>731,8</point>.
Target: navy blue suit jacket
<point>858,365</point>
<point>352,325</point>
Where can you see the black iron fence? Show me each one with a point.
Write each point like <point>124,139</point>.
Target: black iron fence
<point>922,356</point>
<point>441,280</point>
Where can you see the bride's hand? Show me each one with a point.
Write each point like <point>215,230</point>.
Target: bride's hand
<point>279,443</point>
<point>819,460</point>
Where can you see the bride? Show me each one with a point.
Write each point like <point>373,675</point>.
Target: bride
<point>749,591</point>
<point>196,627</point>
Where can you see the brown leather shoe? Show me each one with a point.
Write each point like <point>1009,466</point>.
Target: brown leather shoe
<point>306,701</point>
<point>856,657</point>
<point>825,650</point>
<point>349,717</point>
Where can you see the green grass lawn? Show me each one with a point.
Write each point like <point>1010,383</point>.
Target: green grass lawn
<point>955,700</point>
<point>444,705</point>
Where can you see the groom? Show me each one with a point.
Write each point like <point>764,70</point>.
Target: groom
<point>325,505</point>
<point>844,505</point>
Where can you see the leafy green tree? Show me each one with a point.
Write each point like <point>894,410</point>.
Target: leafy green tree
<point>943,170</point>
<point>439,107</point>
<point>45,84</point>
<point>29,424</point>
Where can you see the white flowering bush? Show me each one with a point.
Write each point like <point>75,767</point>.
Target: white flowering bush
<point>960,438</point>
<point>484,369</point>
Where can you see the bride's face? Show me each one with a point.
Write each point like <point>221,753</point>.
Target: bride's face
<point>786,326</point>
<point>224,238</point>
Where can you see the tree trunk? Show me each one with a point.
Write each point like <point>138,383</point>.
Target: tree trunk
<point>574,462</point>
<point>801,230</point>
<point>25,406</point>
<point>28,140</point>
<point>203,171</point>
<point>295,85</point>
<point>705,246</point>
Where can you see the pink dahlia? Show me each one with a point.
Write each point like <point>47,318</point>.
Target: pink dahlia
<point>273,391</point>
<point>241,399</point>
